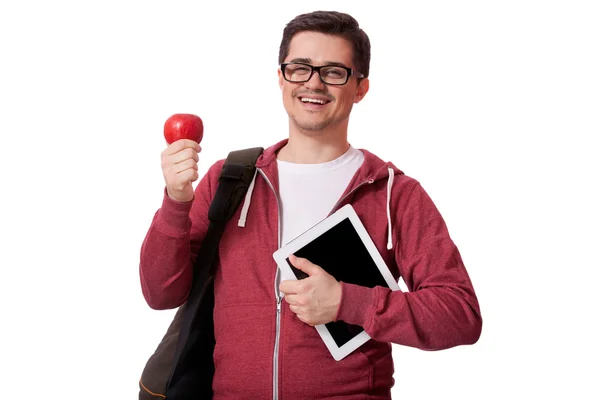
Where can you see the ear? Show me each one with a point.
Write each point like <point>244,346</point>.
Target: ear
<point>361,91</point>
<point>280,76</point>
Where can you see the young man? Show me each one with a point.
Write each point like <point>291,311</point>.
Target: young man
<point>266,346</point>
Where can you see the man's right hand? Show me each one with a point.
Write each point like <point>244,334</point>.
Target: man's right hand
<point>180,168</point>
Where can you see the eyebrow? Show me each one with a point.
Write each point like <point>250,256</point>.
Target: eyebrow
<point>309,61</point>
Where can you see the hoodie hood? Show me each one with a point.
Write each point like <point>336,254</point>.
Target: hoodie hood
<point>373,169</point>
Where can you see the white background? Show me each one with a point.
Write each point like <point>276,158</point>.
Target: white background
<point>492,105</point>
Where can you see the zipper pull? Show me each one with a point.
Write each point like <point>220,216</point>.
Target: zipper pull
<point>278,304</point>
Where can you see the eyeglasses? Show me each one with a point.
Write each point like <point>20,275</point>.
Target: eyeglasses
<point>329,74</point>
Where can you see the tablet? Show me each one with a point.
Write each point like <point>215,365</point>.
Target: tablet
<point>341,246</point>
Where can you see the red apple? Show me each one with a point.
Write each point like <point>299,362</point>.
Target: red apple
<point>183,126</point>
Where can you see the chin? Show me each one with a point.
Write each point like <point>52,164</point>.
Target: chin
<point>314,127</point>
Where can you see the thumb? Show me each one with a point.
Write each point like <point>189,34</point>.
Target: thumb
<point>304,265</point>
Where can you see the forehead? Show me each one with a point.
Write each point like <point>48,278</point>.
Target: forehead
<point>320,48</point>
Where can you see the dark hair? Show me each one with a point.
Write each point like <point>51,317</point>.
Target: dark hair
<point>333,23</point>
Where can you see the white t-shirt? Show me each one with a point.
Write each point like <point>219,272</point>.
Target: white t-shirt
<point>308,192</point>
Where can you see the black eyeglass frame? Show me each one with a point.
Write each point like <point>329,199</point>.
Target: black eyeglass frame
<point>350,72</point>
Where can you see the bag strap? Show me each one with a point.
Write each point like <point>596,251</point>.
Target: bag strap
<point>236,175</point>
<point>235,179</point>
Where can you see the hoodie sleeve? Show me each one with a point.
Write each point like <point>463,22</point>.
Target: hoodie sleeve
<point>441,309</point>
<point>172,243</point>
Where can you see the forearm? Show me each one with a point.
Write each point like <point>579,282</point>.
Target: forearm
<point>432,318</point>
<point>165,257</point>
<point>172,244</point>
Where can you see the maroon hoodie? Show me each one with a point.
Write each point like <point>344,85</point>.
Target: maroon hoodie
<point>263,351</point>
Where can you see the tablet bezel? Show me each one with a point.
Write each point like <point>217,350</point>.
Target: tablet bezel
<point>299,242</point>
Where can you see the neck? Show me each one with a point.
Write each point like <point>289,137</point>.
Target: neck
<point>313,149</point>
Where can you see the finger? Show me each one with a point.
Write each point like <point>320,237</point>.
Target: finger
<point>182,179</point>
<point>304,265</point>
<point>291,299</point>
<point>184,166</point>
<point>305,319</point>
<point>289,287</point>
<point>179,145</point>
<point>187,176</point>
<point>295,309</point>
<point>180,161</point>
<point>296,300</point>
<point>183,155</point>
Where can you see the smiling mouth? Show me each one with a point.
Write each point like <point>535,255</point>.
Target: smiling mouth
<point>310,100</point>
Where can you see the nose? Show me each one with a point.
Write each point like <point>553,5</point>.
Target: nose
<point>314,82</point>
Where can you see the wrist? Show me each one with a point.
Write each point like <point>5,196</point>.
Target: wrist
<point>356,304</point>
<point>179,197</point>
<point>173,216</point>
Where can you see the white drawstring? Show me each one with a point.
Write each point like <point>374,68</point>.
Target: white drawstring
<point>247,199</point>
<point>389,216</point>
<point>246,206</point>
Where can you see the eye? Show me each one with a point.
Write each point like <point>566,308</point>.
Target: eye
<point>299,69</point>
<point>335,73</point>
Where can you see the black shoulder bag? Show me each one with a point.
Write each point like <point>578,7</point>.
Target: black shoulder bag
<point>182,367</point>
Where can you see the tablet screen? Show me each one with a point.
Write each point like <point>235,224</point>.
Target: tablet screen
<point>341,252</point>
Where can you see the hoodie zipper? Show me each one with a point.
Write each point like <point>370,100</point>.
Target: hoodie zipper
<point>277,296</point>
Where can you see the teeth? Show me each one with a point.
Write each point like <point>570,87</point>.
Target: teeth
<point>308,100</point>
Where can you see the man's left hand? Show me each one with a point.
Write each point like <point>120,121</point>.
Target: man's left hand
<point>315,300</point>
